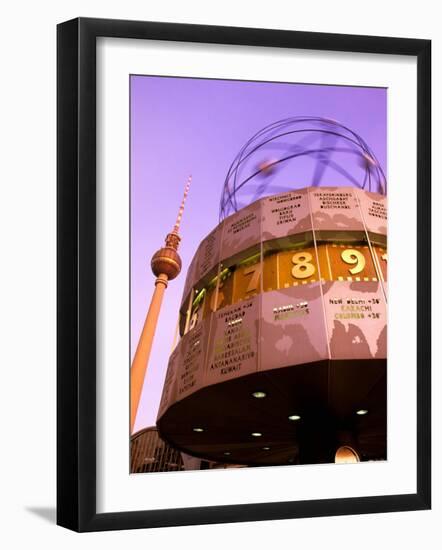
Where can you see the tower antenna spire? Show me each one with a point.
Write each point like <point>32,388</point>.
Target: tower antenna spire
<point>176,227</point>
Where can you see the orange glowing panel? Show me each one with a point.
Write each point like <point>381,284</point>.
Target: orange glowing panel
<point>210,300</point>
<point>247,280</point>
<point>346,455</point>
<point>351,262</point>
<point>270,276</point>
<point>297,267</point>
<point>381,254</point>
<point>225,289</point>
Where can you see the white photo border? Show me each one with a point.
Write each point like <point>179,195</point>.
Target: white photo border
<point>117,490</point>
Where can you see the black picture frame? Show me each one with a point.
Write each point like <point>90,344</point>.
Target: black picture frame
<point>76,274</point>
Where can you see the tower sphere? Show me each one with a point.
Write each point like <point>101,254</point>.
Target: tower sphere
<point>166,261</point>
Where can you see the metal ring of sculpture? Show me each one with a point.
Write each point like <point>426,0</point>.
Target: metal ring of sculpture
<point>325,143</point>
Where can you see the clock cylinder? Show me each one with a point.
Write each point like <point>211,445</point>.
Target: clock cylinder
<point>282,356</point>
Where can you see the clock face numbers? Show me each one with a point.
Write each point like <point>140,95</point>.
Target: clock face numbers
<point>354,257</point>
<point>337,262</point>
<point>287,268</point>
<point>351,263</point>
<point>297,267</point>
<point>302,265</point>
<point>247,280</point>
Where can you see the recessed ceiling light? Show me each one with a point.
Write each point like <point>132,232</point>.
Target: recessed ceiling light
<point>266,448</point>
<point>259,394</point>
<point>361,412</point>
<point>198,429</point>
<point>256,434</point>
<point>227,453</point>
<point>294,417</point>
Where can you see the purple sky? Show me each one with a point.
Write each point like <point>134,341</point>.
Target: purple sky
<point>194,126</point>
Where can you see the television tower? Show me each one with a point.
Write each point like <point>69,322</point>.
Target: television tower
<point>166,265</point>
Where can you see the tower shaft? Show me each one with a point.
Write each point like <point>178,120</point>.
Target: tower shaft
<point>142,354</point>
